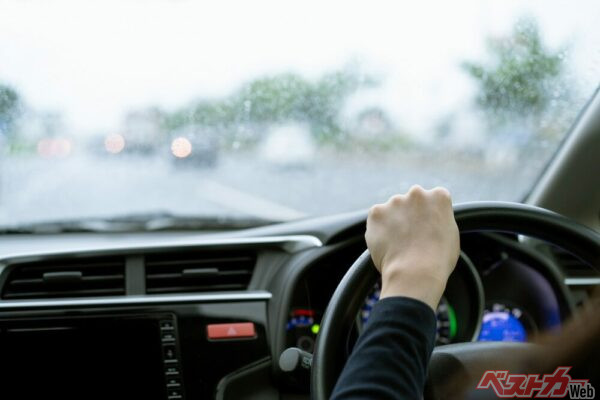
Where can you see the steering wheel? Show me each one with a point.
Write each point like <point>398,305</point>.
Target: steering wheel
<point>470,217</point>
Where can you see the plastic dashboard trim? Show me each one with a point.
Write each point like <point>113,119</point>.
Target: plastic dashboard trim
<point>289,243</point>
<point>133,300</point>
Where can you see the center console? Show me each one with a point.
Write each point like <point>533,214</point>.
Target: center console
<point>92,357</point>
<point>178,349</point>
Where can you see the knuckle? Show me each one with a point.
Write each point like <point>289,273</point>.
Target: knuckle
<point>416,191</point>
<point>441,192</point>
<point>396,199</point>
<point>376,211</point>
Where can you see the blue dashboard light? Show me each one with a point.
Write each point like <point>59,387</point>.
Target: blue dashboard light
<point>502,326</point>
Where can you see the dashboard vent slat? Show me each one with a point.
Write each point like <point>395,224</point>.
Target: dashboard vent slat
<point>199,272</point>
<point>66,278</point>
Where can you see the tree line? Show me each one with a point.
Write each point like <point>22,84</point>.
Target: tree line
<point>521,83</point>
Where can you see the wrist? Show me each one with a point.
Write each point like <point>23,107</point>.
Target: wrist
<point>420,283</point>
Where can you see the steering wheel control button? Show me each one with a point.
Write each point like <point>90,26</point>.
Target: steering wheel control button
<point>239,330</point>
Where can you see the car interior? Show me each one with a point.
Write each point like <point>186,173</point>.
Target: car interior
<point>192,315</point>
<point>273,311</point>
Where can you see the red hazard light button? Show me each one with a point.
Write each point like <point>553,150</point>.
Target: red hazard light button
<point>239,330</point>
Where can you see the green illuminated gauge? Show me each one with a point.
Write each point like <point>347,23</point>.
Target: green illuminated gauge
<point>447,325</point>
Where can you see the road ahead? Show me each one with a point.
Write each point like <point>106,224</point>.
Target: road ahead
<point>35,189</point>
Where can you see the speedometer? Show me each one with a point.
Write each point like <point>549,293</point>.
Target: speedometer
<point>447,323</point>
<point>502,322</point>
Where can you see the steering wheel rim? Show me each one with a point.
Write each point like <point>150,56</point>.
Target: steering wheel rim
<point>470,217</point>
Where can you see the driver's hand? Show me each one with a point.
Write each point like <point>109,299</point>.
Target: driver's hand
<point>414,243</point>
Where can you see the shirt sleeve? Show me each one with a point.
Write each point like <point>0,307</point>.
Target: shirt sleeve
<point>390,358</point>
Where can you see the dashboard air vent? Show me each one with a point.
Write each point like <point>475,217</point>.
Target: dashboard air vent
<point>199,272</point>
<point>66,278</point>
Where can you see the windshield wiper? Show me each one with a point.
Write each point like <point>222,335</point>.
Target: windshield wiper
<point>162,221</point>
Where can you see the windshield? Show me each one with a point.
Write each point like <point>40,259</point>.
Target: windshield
<point>272,110</point>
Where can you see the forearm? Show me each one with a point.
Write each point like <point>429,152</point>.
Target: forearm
<point>389,360</point>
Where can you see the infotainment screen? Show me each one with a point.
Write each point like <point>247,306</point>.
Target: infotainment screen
<point>92,358</point>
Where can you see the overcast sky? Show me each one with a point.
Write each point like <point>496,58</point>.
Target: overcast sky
<point>94,60</point>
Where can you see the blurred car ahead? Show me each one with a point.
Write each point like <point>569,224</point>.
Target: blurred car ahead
<point>194,146</point>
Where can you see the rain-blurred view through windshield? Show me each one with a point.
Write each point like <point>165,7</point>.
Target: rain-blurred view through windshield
<point>274,110</point>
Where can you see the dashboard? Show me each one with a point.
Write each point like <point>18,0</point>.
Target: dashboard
<point>499,291</point>
<point>180,315</point>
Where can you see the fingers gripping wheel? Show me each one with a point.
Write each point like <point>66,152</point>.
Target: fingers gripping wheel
<point>470,217</point>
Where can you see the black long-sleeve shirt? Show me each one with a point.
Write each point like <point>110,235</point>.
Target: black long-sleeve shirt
<point>390,358</point>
